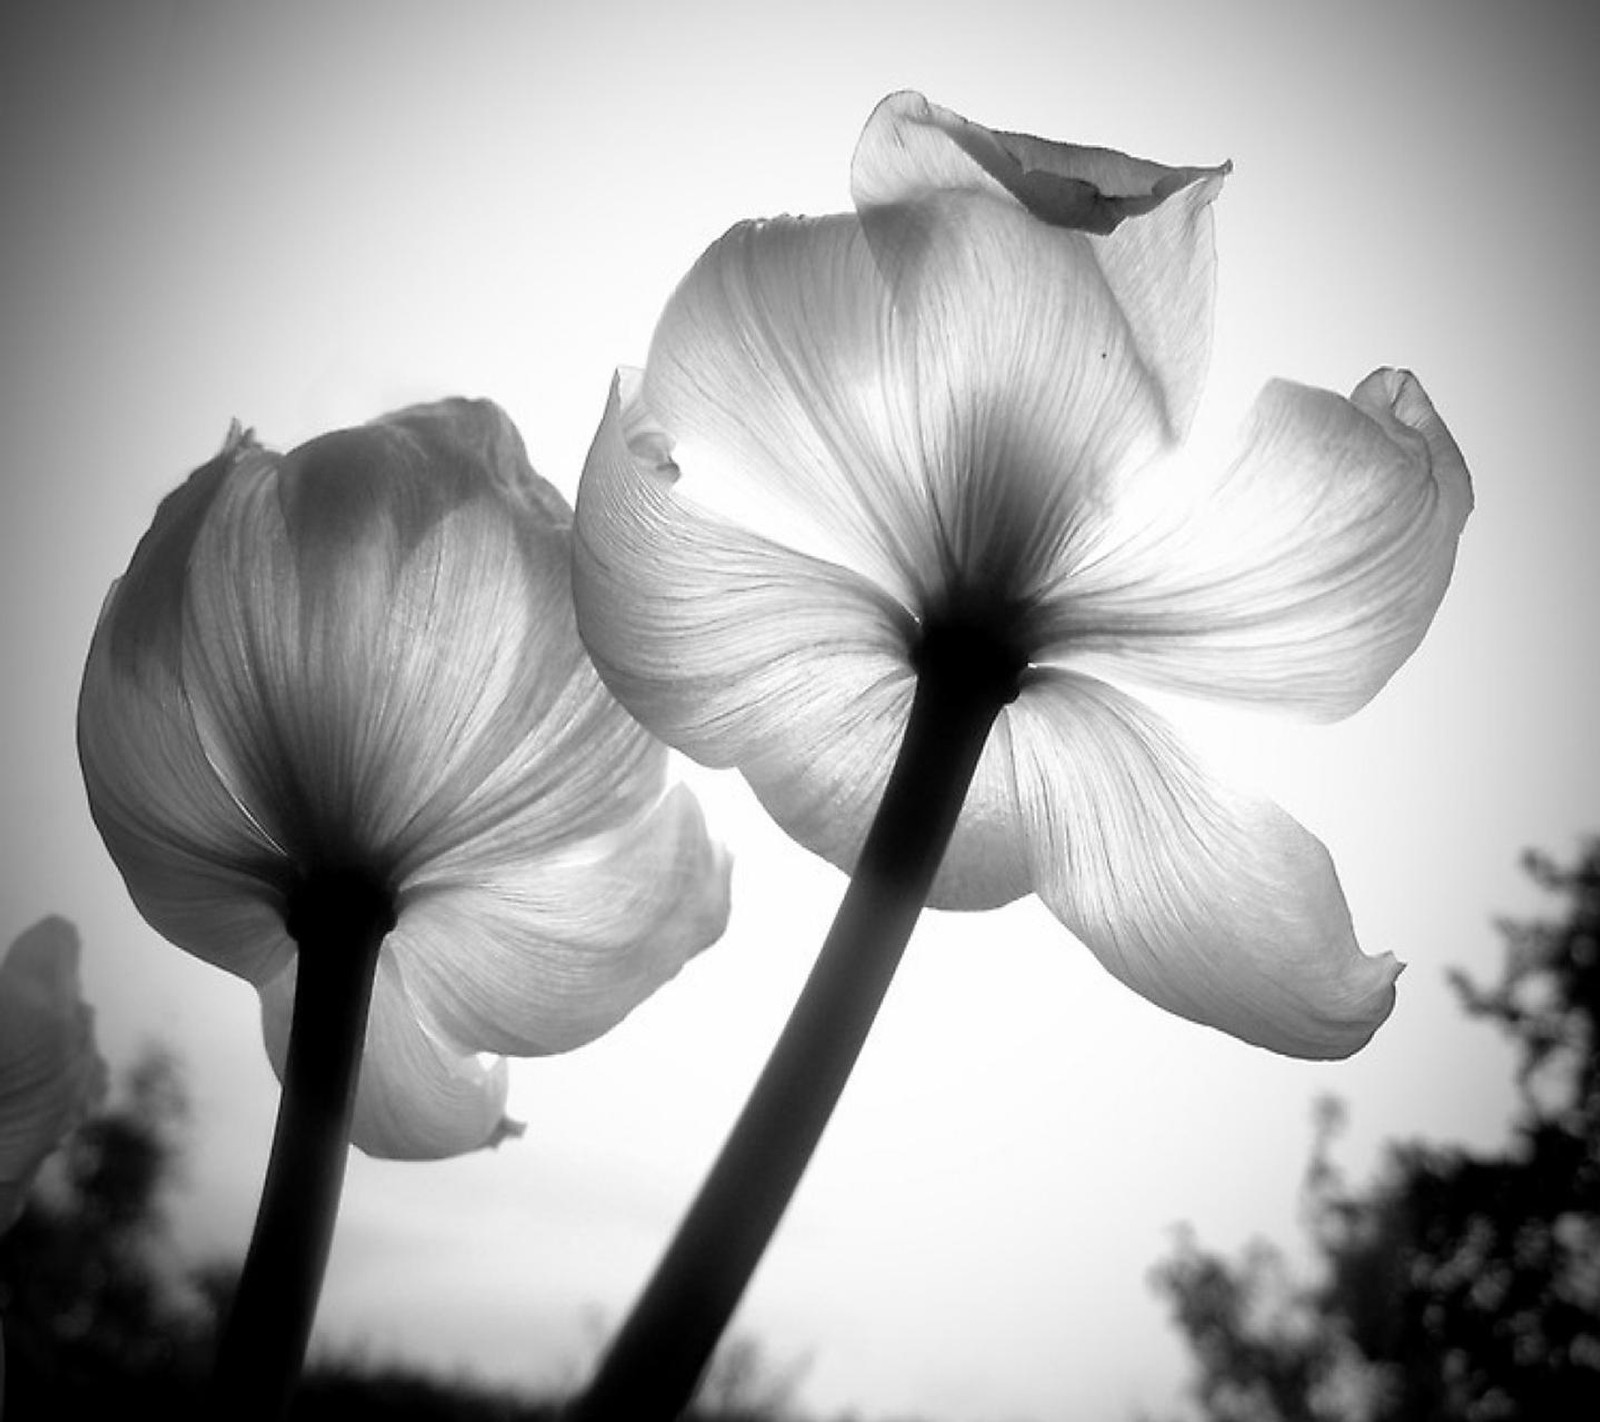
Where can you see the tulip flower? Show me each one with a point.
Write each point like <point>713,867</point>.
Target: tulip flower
<point>342,740</point>
<point>50,1073</point>
<point>898,519</point>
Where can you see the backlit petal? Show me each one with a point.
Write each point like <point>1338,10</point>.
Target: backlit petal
<point>1212,903</point>
<point>373,628</point>
<point>1153,245</point>
<point>1034,402</point>
<point>742,652</point>
<point>1300,575</point>
<point>419,1097</point>
<point>778,379</point>
<point>825,787</point>
<point>960,438</point>
<point>199,866</point>
<point>50,1073</point>
<point>542,956</point>
<point>718,639</point>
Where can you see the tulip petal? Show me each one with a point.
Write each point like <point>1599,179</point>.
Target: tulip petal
<point>776,378</point>
<point>915,160</point>
<point>740,651</point>
<point>377,674</point>
<point>200,867</point>
<point>826,790</point>
<point>1299,576</point>
<point>544,956</point>
<point>50,1073</point>
<point>418,1097</point>
<point>958,442</point>
<point>1211,903</point>
<point>715,637</point>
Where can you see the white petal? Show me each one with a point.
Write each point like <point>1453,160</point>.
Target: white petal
<point>716,638</point>
<point>1034,402</point>
<point>742,652</point>
<point>825,791</point>
<point>1211,903</point>
<point>50,1073</point>
<point>777,378</point>
<point>201,871</point>
<point>418,1097</point>
<point>987,863</point>
<point>195,861</point>
<point>381,651</point>
<point>1153,247</point>
<point>959,439</point>
<point>1301,575</point>
<point>472,703</point>
<point>545,955</point>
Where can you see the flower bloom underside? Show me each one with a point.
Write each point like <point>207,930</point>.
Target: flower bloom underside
<point>360,659</point>
<point>959,412</point>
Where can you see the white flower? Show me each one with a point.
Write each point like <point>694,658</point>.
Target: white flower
<point>360,658</point>
<point>50,1072</point>
<point>951,415</point>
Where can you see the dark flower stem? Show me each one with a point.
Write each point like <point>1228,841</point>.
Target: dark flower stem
<point>338,923</point>
<point>657,1359</point>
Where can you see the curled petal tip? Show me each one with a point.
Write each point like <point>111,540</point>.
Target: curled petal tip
<point>912,149</point>
<point>1395,398</point>
<point>1344,1022</point>
<point>1333,1022</point>
<point>240,439</point>
<point>506,1129</point>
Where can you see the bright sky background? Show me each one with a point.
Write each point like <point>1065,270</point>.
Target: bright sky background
<point>302,215</point>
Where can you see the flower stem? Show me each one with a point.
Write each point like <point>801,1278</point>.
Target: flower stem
<point>661,1351</point>
<point>338,922</point>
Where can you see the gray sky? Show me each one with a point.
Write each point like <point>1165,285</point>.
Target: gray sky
<point>301,215</point>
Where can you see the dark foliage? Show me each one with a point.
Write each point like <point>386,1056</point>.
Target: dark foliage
<point>1457,1286</point>
<point>95,1307</point>
<point>103,1317</point>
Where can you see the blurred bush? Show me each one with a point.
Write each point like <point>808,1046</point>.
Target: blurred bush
<point>103,1315</point>
<point>1457,1285</point>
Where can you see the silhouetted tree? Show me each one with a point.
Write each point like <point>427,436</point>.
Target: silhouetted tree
<point>1457,1286</point>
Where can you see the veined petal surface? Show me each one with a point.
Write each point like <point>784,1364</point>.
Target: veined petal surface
<point>917,163</point>
<point>540,956</point>
<point>741,651</point>
<point>1298,576</point>
<point>373,632</point>
<point>715,636</point>
<point>419,1096</point>
<point>197,863</point>
<point>958,442</point>
<point>1211,902</point>
<point>787,403</point>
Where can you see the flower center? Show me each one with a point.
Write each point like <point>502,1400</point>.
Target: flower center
<point>339,905</point>
<point>976,656</point>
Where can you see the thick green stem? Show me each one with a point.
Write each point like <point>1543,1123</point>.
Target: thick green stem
<point>339,923</point>
<point>658,1357</point>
